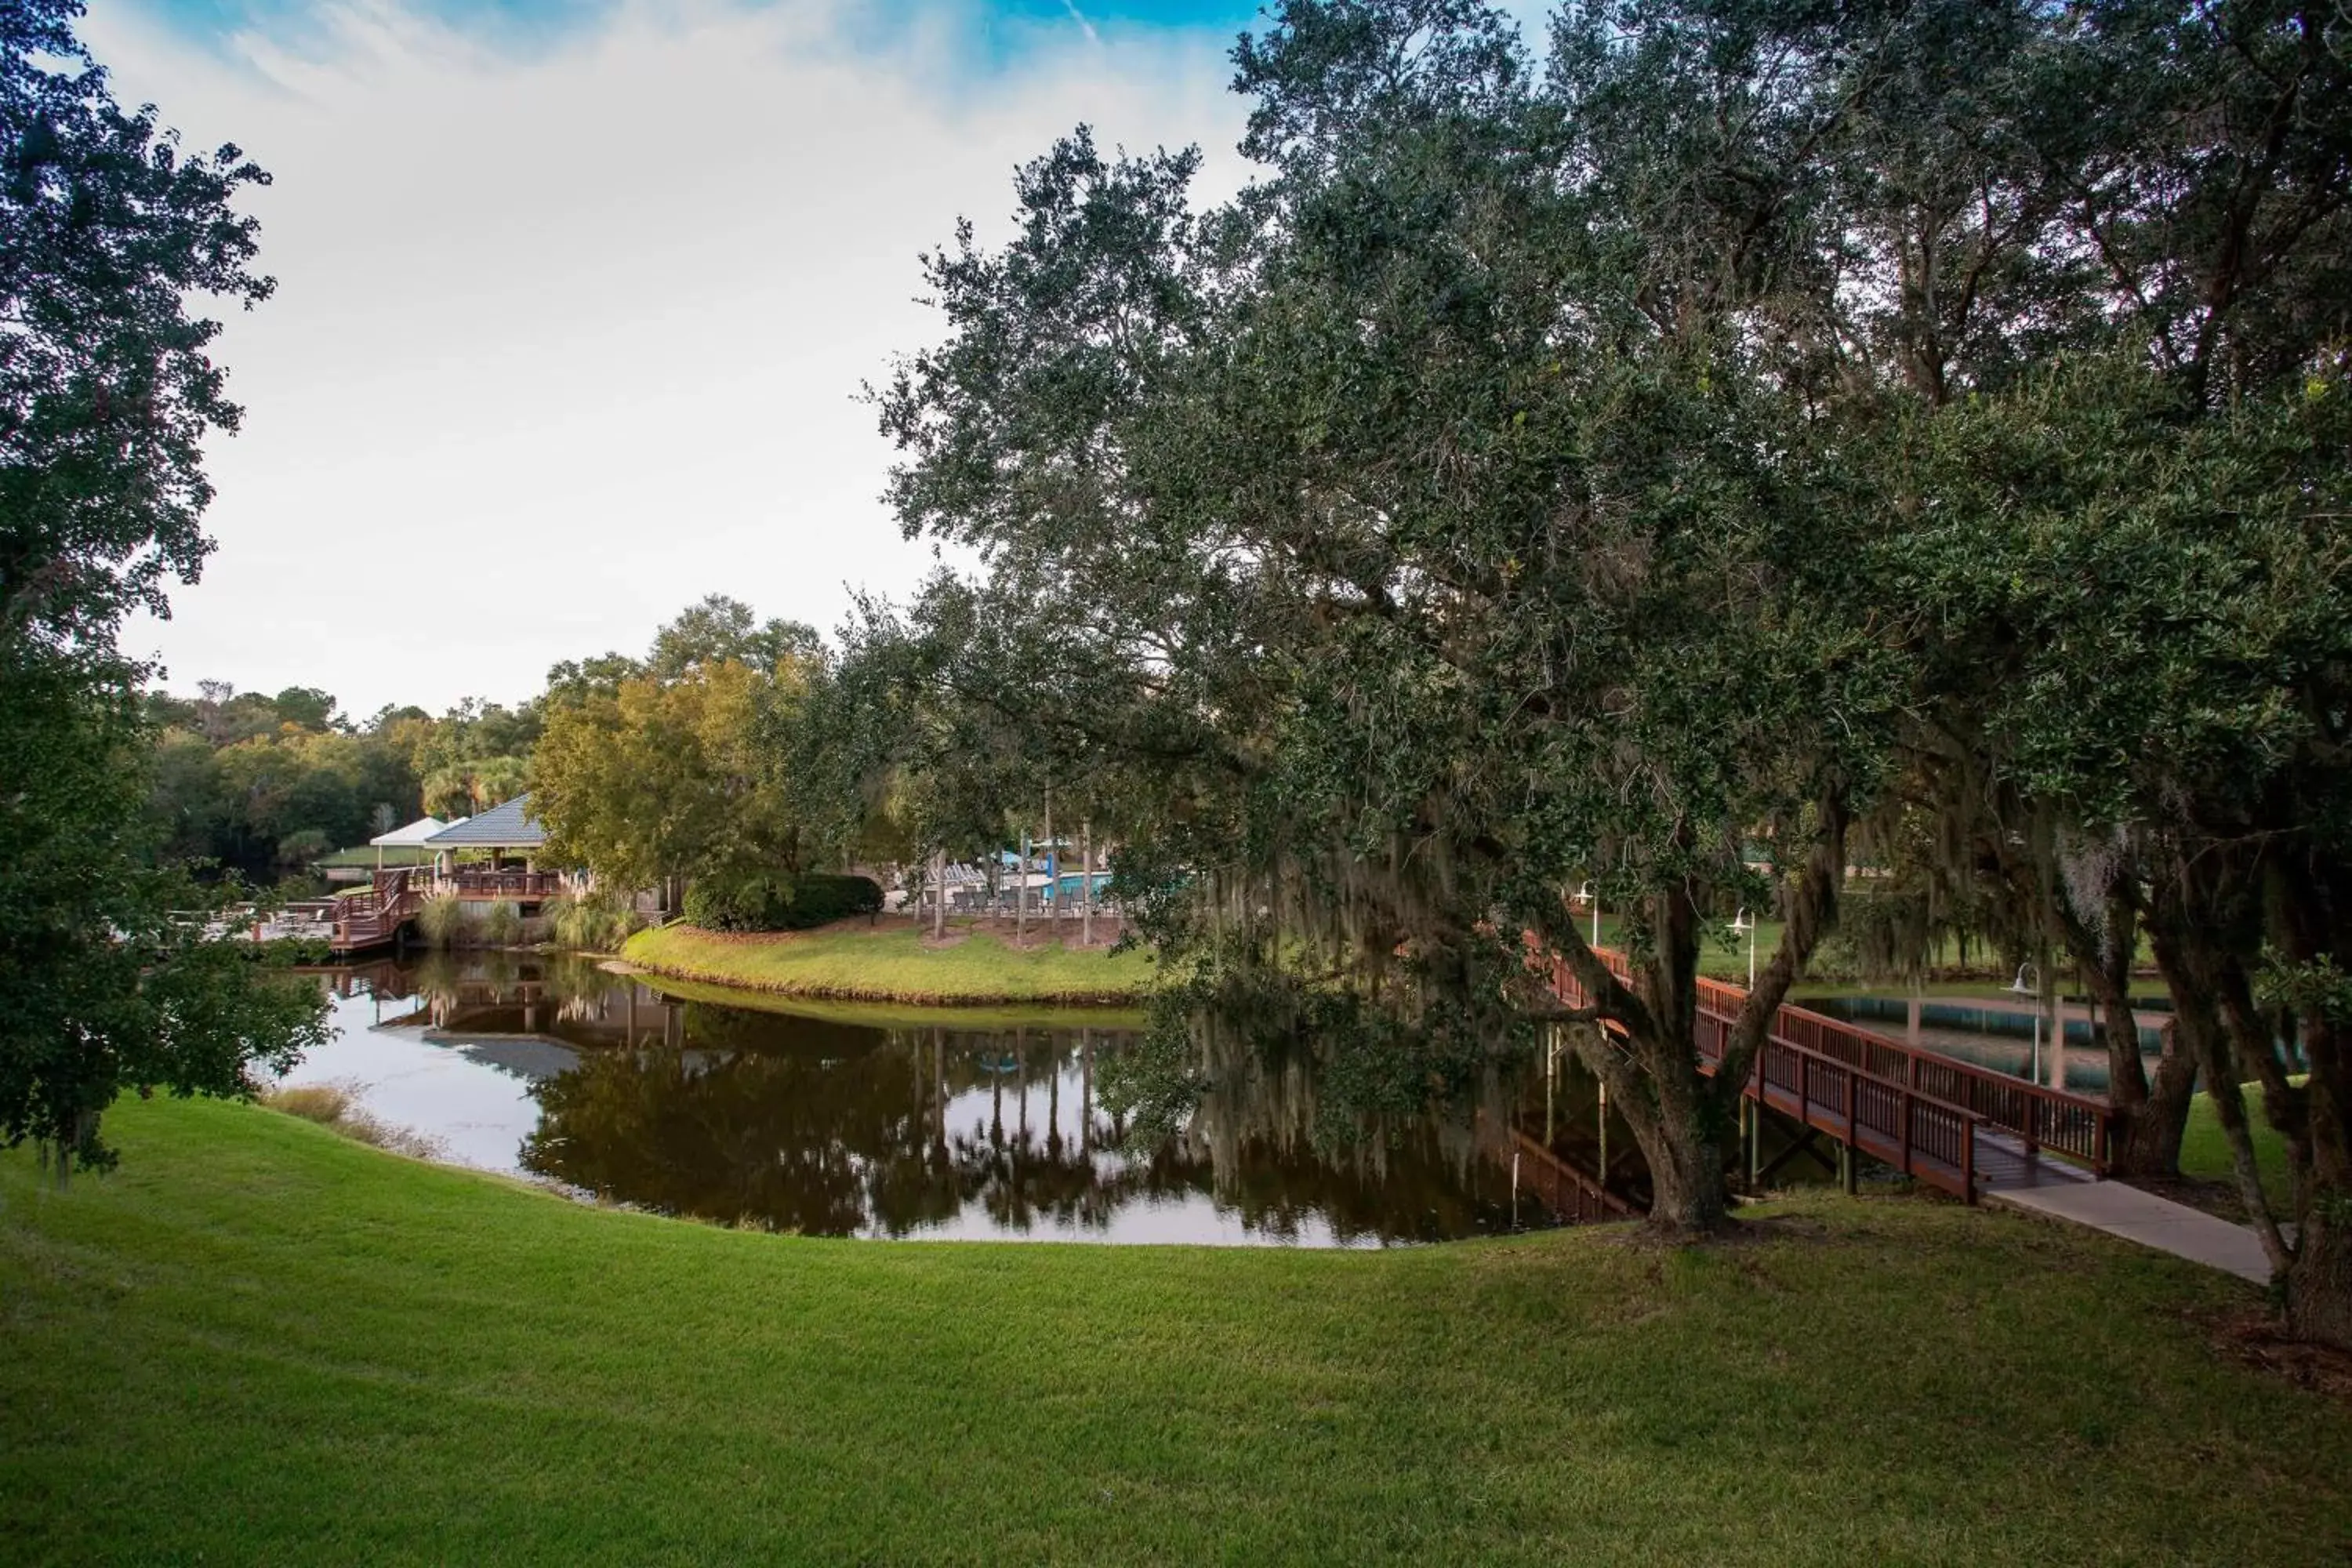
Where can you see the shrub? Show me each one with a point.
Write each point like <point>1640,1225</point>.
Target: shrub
<point>289,951</point>
<point>337,1108</point>
<point>563,918</point>
<point>321,1102</point>
<point>595,923</point>
<point>299,848</point>
<point>441,919</point>
<point>780,903</point>
<point>501,924</point>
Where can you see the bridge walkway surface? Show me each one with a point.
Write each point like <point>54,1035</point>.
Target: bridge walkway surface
<point>1965,1129</point>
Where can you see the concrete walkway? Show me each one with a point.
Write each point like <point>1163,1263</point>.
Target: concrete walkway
<point>2152,1221</point>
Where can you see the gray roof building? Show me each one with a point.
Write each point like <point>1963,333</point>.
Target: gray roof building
<point>507,826</point>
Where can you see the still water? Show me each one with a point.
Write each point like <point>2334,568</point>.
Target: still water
<point>836,1124</point>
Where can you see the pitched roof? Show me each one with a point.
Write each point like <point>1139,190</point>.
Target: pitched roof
<point>507,826</point>
<point>364,856</point>
<point>417,832</point>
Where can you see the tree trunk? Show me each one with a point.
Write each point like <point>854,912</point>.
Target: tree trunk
<point>1688,1193</point>
<point>1679,1117</point>
<point>2151,1114</point>
<point>2319,1280</point>
<point>1654,1081</point>
<point>2146,1138</point>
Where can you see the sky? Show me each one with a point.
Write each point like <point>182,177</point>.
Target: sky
<point>575,300</point>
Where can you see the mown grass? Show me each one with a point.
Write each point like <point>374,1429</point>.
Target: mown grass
<point>259,1343</point>
<point>2205,1148</point>
<point>900,1015</point>
<point>854,962</point>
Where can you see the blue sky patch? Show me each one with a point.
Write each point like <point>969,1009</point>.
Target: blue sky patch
<point>1001,30</point>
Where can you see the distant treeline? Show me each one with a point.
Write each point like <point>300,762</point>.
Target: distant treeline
<point>262,786</point>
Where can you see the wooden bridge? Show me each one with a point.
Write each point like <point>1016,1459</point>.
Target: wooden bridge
<point>1951,1125</point>
<point>375,917</point>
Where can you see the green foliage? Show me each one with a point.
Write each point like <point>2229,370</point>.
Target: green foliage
<point>102,989</point>
<point>441,919</point>
<point>302,847</point>
<point>593,923</point>
<point>682,766</point>
<point>253,783</point>
<point>469,785</point>
<point>1417,572</point>
<point>1766,419</point>
<point>780,903</point>
<point>107,397</point>
<point>287,951</point>
<point>107,226</point>
<point>501,923</point>
<point>717,630</point>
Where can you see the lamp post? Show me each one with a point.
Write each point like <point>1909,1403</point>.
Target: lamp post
<point>1744,923</point>
<point>1587,895</point>
<point>2018,987</point>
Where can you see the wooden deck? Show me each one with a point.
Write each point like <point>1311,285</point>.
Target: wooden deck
<point>1958,1127</point>
<point>373,918</point>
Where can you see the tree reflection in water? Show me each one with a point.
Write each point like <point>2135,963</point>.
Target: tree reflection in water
<point>830,1127</point>
<point>833,1129</point>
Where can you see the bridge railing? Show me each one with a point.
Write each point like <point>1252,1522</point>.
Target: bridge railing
<point>520,885</point>
<point>1575,1196</point>
<point>2039,1117</point>
<point>372,917</point>
<point>1917,1133</point>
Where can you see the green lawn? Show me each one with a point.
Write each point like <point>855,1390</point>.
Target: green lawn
<point>902,1015</point>
<point>259,1343</point>
<point>2205,1151</point>
<point>894,964</point>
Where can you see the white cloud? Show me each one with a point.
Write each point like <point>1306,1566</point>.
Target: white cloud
<point>565,341</point>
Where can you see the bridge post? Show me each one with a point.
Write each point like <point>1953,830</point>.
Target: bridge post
<point>1605,1133</point>
<point>1551,1065</point>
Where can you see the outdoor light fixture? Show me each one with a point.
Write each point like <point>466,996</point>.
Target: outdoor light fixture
<point>2020,987</point>
<point>1587,895</point>
<point>1744,921</point>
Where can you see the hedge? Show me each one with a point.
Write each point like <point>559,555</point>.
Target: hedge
<point>780,903</point>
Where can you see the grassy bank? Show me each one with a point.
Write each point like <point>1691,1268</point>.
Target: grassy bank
<point>899,1014</point>
<point>857,962</point>
<point>260,1342</point>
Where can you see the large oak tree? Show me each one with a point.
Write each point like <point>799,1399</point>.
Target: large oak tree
<point>107,228</point>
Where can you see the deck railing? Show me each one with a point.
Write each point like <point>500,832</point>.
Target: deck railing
<point>527,886</point>
<point>373,916</point>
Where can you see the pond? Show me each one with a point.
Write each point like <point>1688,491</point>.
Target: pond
<point>841,1123</point>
